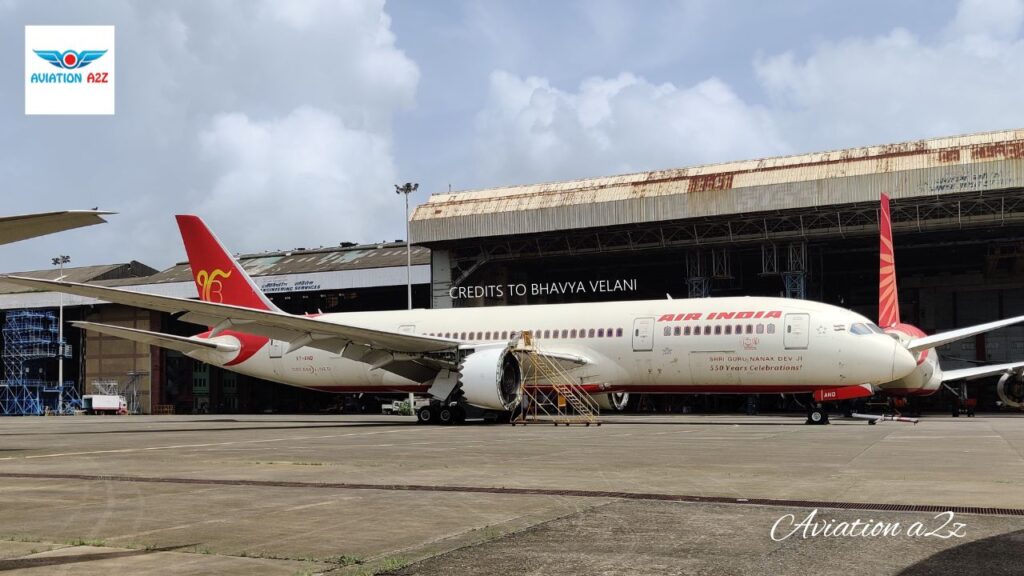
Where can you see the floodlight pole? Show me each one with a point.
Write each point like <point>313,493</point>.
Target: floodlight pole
<point>406,189</point>
<point>60,261</point>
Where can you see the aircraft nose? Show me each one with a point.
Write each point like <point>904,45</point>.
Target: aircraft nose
<point>903,362</point>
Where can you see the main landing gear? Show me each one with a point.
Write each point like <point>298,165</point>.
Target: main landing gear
<point>816,414</point>
<point>438,413</point>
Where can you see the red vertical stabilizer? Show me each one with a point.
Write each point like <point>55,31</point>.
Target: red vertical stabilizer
<point>888,299</point>
<point>217,275</point>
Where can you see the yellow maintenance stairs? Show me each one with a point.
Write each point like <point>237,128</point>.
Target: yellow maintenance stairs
<point>549,394</point>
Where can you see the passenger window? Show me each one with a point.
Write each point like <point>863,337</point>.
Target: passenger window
<point>600,332</point>
<point>618,331</point>
<point>686,331</point>
<point>573,333</point>
<point>668,330</point>
<point>565,333</point>
<point>739,328</point>
<point>677,331</point>
<point>547,333</point>
<point>760,328</point>
<point>479,335</point>
<point>771,328</point>
<point>750,328</point>
<point>718,330</point>
<point>487,336</point>
<point>504,334</point>
<point>707,330</point>
<point>728,329</point>
<point>590,333</point>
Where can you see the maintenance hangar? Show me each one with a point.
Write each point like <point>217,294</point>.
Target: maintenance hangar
<point>336,279</point>
<point>803,226</point>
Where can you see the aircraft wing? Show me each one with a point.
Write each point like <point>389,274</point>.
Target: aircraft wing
<point>182,344</point>
<point>979,371</point>
<point>297,330</point>
<point>919,344</point>
<point>14,228</point>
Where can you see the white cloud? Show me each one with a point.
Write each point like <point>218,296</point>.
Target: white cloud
<point>899,86</point>
<point>847,92</point>
<point>249,114</point>
<point>992,18</point>
<point>530,131</point>
<point>302,178</point>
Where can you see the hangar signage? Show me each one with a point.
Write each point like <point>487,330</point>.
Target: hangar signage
<point>607,286</point>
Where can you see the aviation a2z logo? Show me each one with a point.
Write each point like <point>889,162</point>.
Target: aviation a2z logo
<point>71,60</point>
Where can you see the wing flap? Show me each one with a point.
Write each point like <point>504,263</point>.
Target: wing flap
<point>182,344</point>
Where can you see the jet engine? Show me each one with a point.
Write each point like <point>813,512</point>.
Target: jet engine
<point>1011,389</point>
<point>612,401</point>
<point>491,378</point>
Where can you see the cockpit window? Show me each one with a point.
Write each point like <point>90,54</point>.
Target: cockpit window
<point>874,328</point>
<point>859,328</point>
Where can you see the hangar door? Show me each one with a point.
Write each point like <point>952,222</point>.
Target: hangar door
<point>794,335</point>
<point>643,334</point>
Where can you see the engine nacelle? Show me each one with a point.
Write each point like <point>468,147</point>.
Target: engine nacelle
<point>612,401</point>
<point>492,378</point>
<point>1011,390</point>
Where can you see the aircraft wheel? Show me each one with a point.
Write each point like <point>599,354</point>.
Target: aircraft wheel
<point>426,415</point>
<point>817,416</point>
<point>446,415</point>
<point>460,414</point>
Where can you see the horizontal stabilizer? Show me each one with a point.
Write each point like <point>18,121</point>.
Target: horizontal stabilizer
<point>979,371</point>
<point>182,344</point>
<point>935,340</point>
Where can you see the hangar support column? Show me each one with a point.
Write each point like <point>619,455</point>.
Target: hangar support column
<point>697,284</point>
<point>440,278</point>
<point>794,277</point>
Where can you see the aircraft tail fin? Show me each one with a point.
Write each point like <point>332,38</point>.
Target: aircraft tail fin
<point>217,275</point>
<point>888,297</point>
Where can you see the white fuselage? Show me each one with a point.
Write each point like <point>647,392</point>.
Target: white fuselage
<point>712,345</point>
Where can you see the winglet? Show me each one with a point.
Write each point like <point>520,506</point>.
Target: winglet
<point>217,275</point>
<point>888,298</point>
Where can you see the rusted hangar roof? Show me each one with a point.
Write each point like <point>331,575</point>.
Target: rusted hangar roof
<point>957,164</point>
<point>301,261</point>
<point>339,267</point>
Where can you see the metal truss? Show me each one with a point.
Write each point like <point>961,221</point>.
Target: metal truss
<point>931,213</point>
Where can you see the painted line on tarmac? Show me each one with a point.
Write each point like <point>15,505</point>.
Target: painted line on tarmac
<point>205,445</point>
<point>661,497</point>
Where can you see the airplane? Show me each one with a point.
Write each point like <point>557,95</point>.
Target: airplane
<point>15,228</point>
<point>928,376</point>
<point>467,356</point>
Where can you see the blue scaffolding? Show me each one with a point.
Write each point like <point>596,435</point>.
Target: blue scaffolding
<point>30,341</point>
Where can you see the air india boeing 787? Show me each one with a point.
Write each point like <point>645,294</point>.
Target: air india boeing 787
<point>468,356</point>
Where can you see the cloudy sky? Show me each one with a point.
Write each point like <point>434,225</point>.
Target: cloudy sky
<point>286,124</point>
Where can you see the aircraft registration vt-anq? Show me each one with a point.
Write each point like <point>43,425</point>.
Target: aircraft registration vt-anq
<point>468,356</point>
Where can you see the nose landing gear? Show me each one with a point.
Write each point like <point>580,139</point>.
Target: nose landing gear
<point>816,414</point>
